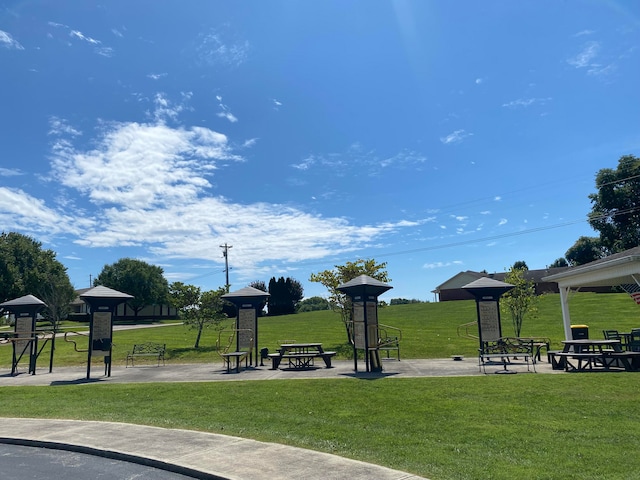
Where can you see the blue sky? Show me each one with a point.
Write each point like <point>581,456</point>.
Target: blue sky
<point>436,136</point>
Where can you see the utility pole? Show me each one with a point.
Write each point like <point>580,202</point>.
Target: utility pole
<point>225,254</point>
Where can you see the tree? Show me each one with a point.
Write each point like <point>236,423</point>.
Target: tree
<point>144,281</point>
<point>520,300</point>
<point>198,309</point>
<point>403,301</point>
<point>331,279</point>
<point>521,264</point>
<point>27,269</point>
<point>585,250</point>
<point>284,295</point>
<point>615,211</point>
<point>312,304</point>
<point>559,262</point>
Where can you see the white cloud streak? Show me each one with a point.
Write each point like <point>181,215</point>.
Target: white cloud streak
<point>7,41</point>
<point>455,137</point>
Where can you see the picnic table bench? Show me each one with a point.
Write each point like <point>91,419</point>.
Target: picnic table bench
<point>148,349</point>
<point>300,355</point>
<point>506,349</point>
<point>587,355</point>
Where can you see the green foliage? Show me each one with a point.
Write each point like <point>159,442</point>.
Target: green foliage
<point>615,211</point>
<point>198,310</point>
<point>313,303</point>
<point>520,300</point>
<point>144,281</point>
<point>25,266</point>
<point>520,265</point>
<point>559,262</point>
<point>331,279</point>
<point>585,250</point>
<point>27,269</point>
<point>402,301</point>
<point>284,295</point>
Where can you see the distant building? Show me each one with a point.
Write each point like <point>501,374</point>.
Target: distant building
<point>80,311</point>
<point>452,288</point>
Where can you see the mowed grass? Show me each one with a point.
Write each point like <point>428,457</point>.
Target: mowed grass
<point>583,426</point>
<point>567,426</point>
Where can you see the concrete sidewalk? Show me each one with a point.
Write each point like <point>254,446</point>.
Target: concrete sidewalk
<point>207,455</point>
<point>214,371</point>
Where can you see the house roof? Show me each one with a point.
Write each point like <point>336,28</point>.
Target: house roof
<point>463,278</point>
<point>617,269</point>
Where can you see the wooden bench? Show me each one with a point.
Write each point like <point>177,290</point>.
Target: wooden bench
<point>149,349</point>
<point>505,350</point>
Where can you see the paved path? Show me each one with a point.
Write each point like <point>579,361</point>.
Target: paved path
<point>207,455</point>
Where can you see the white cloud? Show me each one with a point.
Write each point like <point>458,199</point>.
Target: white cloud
<point>277,103</point>
<point>225,113</point>
<point>479,81</point>
<point>81,36</point>
<point>584,58</point>
<point>502,221</point>
<point>7,41</point>
<point>148,186</point>
<point>59,126</point>
<point>228,115</point>
<point>584,32</point>
<point>156,76</point>
<point>431,266</point>
<point>526,102</point>
<point>21,211</point>
<point>220,47</point>
<point>455,137</point>
<point>10,172</point>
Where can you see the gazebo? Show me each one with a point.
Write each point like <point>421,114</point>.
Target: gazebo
<point>621,269</point>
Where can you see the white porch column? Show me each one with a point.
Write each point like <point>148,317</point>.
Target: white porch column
<point>566,317</point>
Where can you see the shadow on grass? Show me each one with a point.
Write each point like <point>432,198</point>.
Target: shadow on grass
<point>79,381</point>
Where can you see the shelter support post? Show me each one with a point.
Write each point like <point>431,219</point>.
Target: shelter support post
<point>566,316</point>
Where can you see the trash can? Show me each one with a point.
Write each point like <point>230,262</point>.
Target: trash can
<point>579,332</point>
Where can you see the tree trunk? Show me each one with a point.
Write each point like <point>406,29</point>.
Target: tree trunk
<point>197,344</point>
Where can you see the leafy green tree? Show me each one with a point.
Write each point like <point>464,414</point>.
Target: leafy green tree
<point>521,264</point>
<point>331,279</point>
<point>615,210</point>
<point>284,295</point>
<point>559,262</point>
<point>521,300</point>
<point>585,250</point>
<point>27,269</point>
<point>403,301</point>
<point>312,304</point>
<point>198,310</point>
<point>144,281</point>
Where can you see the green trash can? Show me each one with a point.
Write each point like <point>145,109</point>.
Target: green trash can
<point>579,332</point>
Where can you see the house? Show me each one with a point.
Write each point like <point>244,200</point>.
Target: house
<point>80,311</point>
<point>452,288</point>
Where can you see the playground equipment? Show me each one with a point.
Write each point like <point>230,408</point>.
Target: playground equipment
<point>25,336</point>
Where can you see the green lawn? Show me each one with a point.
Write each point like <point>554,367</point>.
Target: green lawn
<point>567,426</point>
